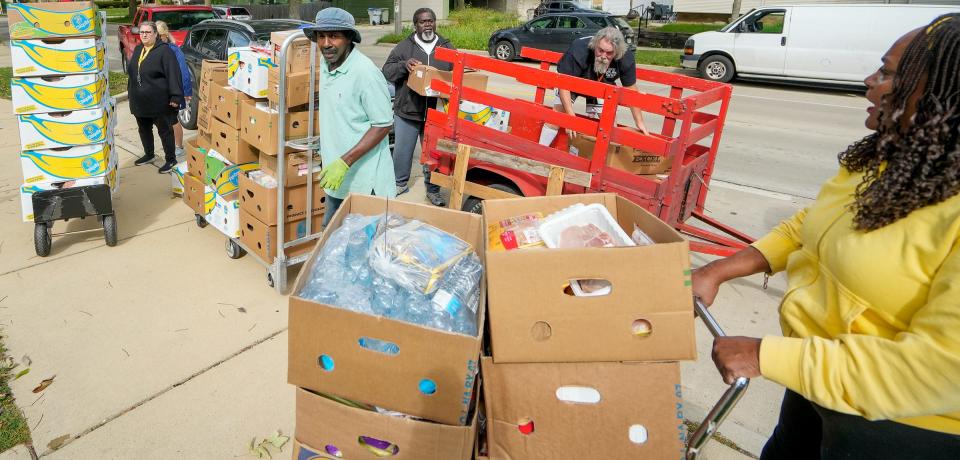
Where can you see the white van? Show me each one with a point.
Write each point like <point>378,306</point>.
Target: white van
<point>828,44</point>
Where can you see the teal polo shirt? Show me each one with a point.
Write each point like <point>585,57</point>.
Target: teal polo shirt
<point>354,98</point>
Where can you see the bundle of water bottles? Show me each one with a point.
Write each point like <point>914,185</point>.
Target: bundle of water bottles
<point>387,265</point>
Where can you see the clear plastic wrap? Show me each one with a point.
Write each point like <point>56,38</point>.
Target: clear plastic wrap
<point>416,255</point>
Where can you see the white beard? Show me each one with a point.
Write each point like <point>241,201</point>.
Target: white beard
<point>600,66</point>
<point>427,36</point>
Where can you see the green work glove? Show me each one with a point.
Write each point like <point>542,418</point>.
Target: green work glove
<point>332,176</point>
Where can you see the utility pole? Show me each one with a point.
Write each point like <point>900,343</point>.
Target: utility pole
<point>736,11</point>
<point>397,22</point>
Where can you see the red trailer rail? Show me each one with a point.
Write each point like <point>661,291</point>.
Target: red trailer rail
<point>690,137</point>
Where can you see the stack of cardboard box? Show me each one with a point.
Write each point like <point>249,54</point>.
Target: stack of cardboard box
<point>412,399</point>
<point>61,97</point>
<point>197,185</point>
<point>587,376</point>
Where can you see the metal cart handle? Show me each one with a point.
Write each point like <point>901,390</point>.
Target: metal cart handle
<point>726,403</point>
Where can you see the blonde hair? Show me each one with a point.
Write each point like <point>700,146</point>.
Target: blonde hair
<point>163,31</point>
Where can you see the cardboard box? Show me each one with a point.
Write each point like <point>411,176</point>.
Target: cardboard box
<point>198,196</point>
<point>324,422</point>
<point>68,163</point>
<point>298,87</point>
<point>481,114</point>
<point>56,56</point>
<point>203,141</point>
<point>176,178</point>
<point>212,73</point>
<point>651,286</point>
<point>204,117</point>
<point>47,20</point>
<point>448,360</point>
<point>62,93</point>
<point>196,159</point>
<point>112,178</point>
<point>247,70</point>
<point>261,202</point>
<point>260,126</point>
<point>298,54</point>
<point>296,172</point>
<point>629,159</point>
<point>261,238</point>
<point>419,80</point>
<point>226,141</point>
<point>225,216</point>
<point>67,129</point>
<point>639,413</point>
<point>215,163</point>
<point>225,105</point>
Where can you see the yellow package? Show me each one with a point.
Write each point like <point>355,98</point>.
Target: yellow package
<point>518,232</point>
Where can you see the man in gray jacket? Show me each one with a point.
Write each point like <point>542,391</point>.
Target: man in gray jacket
<point>410,108</point>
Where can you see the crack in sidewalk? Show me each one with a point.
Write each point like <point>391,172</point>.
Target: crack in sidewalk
<point>165,391</point>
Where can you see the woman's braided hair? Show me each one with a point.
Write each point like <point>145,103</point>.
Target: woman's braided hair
<point>907,168</point>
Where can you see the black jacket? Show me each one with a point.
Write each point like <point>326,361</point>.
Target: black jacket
<point>408,104</point>
<point>152,86</point>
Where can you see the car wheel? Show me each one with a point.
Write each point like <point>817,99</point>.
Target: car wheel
<point>717,68</point>
<point>188,116</point>
<point>504,51</point>
<point>475,205</point>
<point>123,60</point>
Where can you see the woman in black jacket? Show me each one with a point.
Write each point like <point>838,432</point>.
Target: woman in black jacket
<point>155,93</point>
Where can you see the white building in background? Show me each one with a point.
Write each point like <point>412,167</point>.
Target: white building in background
<point>696,8</point>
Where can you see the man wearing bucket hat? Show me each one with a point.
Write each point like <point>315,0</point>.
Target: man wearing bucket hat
<point>355,114</point>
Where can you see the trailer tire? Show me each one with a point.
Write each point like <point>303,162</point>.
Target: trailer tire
<point>717,68</point>
<point>42,240</point>
<point>110,229</point>
<point>475,205</point>
<point>504,51</point>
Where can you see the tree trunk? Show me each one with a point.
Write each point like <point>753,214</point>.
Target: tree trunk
<point>133,8</point>
<point>461,4</point>
<point>295,9</point>
<point>736,11</point>
<point>207,2</point>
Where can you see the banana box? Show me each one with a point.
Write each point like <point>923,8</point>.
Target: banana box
<point>481,114</point>
<point>225,216</point>
<point>176,178</point>
<point>62,93</point>
<point>66,129</point>
<point>56,56</point>
<point>54,19</point>
<point>248,70</point>
<point>66,163</point>
<point>27,190</point>
<point>214,164</point>
<point>228,182</point>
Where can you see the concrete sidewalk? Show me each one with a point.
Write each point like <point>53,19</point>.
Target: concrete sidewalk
<point>163,347</point>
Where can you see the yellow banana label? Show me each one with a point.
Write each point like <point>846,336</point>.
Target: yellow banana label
<point>54,59</point>
<point>52,166</point>
<point>61,133</point>
<point>233,64</point>
<point>40,20</point>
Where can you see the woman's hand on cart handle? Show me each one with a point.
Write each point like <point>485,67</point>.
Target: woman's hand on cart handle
<point>736,357</point>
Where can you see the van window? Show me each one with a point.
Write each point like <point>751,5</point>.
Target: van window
<point>764,22</point>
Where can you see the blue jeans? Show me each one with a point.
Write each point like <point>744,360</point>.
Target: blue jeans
<point>407,133</point>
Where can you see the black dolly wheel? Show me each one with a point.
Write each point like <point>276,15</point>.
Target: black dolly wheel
<point>234,251</point>
<point>110,229</point>
<point>270,280</point>
<point>201,222</point>
<point>42,240</point>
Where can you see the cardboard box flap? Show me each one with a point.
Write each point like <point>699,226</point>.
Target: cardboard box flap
<point>322,422</point>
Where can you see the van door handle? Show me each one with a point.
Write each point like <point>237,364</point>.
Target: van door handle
<point>783,41</point>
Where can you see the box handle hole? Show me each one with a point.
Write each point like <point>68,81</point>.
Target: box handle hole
<point>525,425</point>
<point>588,287</point>
<point>378,447</point>
<point>578,395</point>
<point>326,363</point>
<point>333,450</point>
<point>638,434</point>
<point>641,328</point>
<point>378,345</point>
<point>541,331</point>
<point>427,387</point>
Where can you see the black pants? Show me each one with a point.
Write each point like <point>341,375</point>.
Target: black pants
<point>807,431</point>
<point>164,124</point>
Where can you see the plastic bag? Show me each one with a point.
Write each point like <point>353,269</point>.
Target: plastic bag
<point>416,255</point>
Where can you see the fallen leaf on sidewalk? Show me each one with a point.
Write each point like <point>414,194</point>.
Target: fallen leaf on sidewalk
<point>44,384</point>
<point>59,442</point>
<point>22,373</point>
<point>259,450</point>
<point>278,440</point>
<point>26,360</point>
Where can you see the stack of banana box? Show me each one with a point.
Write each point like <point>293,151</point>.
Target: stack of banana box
<point>592,373</point>
<point>61,97</point>
<point>247,110</point>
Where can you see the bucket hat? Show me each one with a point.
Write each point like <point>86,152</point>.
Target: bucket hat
<point>333,20</point>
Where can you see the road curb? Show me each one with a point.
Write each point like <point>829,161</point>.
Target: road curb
<point>122,97</point>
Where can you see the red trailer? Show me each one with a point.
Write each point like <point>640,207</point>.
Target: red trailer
<point>693,113</point>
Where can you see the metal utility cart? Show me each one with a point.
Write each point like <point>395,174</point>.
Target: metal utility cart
<point>64,204</point>
<point>277,268</point>
<point>693,114</point>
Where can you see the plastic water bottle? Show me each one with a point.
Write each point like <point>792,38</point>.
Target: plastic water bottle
<point>455,290</point>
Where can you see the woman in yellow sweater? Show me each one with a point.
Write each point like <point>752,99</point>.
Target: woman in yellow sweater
<point>870,353</point>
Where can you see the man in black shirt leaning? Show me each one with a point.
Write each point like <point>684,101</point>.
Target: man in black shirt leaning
<point>604,58</point>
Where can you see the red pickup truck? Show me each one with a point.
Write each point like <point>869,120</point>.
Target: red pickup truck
<point>178,18</point>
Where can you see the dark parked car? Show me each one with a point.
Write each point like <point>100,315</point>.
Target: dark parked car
<point>554,32</point>
<point>558,7</point>
<point>210,40</point>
